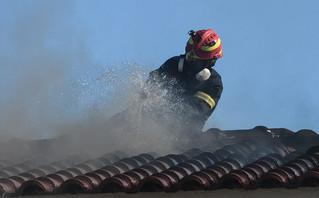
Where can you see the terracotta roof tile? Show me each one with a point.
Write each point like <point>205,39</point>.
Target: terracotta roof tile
<point>249,159</point>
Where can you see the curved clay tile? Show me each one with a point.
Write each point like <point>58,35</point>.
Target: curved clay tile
<point>237,174</point>
<point>159,165</point>
<point>191,153</point>
<point>276,178</point>
<point>208,158</point>
<point>209,177</point>
<point>34,187</point>
<point>7,188</point>
<point>311,158</point>
<point>9,171</point>
<point>248,164</point>
<point>313,150</point>
<point>129,181</point>
<point>14,170</point>
<point>185,175</point>
<point>237,179</point>
<point>50,183</point>
<point>311,178</point>
<point>200,180</point>
<point>90,181</point>
<point>292,174</point>
<point>169,162</point>
<point>274,148</point>
<point>248,176</point>
<point>21,178</point>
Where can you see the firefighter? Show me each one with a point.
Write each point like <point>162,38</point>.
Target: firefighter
<point>190,80</point>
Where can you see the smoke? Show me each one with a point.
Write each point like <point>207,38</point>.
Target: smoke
<point>41,52</point>
<point>51,90</point>
<point>34,72</point>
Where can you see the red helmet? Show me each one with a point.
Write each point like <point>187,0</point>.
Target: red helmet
<point>204,44</point>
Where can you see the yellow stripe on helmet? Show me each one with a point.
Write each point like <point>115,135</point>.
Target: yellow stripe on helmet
<point>210,48</point>
<point>191,41</point>
<point>206,98</point>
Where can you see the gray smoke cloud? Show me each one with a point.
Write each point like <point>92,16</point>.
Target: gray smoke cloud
<point>37,58</point>
<point>34,71</point>
<point>44,95</point>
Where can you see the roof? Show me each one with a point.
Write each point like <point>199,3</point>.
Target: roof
<point>249,159</point>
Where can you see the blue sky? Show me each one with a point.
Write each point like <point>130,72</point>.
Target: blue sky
<point>269,68</point>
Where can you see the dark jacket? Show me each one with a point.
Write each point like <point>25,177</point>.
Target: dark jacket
<point>202,96</point>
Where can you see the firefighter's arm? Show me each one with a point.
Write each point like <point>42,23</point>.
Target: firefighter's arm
<point>155,77</point>
<point>155,82</point>
<point>206,98</point>
<point>153,85</point>
<point>160,77</point>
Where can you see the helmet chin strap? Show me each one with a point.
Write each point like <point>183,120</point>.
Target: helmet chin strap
<point>188,58</point>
